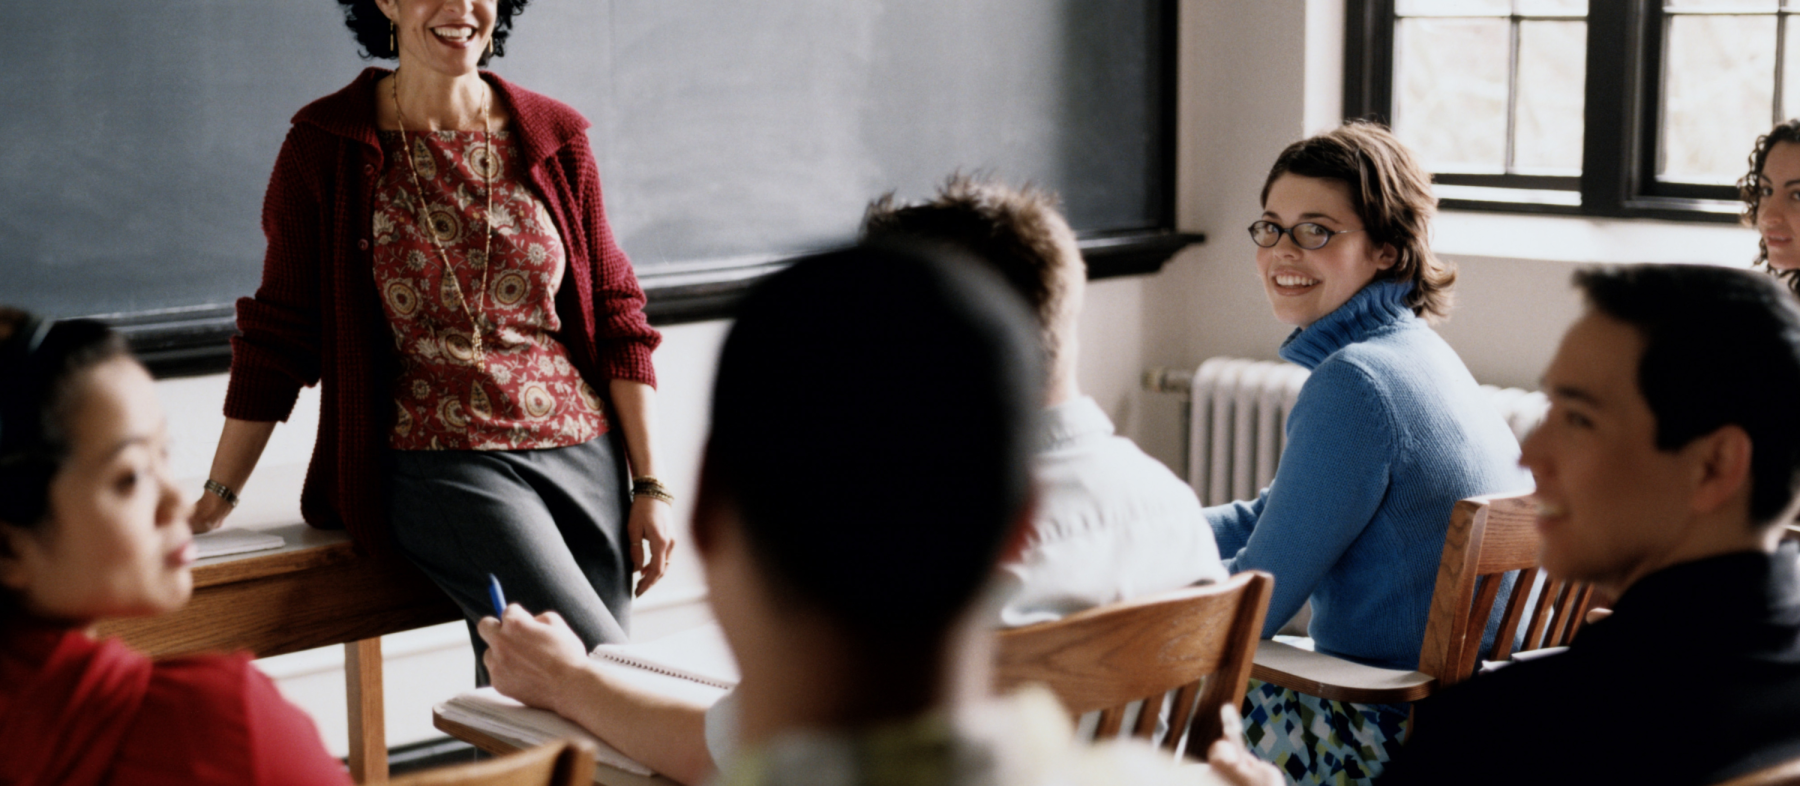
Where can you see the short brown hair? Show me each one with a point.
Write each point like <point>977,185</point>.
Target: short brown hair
<point>1018,231</point>
<point>1391,194</point>
<point>1750,190</point>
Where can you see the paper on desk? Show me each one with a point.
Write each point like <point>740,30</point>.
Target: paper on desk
<point>700,654</point>
<point>695,666</point>
<point>221,542</point>
<point>484,709</point>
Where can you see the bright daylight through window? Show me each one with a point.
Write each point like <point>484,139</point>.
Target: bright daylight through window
<point>1616,107</point>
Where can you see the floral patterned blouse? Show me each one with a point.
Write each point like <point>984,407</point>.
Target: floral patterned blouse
<point>503,382</point>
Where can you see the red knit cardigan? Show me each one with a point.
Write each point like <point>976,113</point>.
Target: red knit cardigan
<point>318,318</point>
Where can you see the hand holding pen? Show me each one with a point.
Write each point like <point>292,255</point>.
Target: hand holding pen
<point>497,597</point>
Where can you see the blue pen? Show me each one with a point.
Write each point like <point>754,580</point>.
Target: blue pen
<point>495,595</point>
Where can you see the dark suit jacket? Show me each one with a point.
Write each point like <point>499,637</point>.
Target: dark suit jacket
<point>1694,679</point>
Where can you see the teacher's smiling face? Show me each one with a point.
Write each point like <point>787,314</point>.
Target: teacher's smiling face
<point>447,36</point>
<point>1304,285</point>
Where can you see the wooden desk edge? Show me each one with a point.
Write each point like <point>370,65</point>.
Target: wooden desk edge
<point>604,774</point>
<point>306,548</point>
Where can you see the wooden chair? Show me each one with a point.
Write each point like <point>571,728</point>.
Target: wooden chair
<point>1488,537</point>
<point>1786,773</point>
<point>560,763</point>
<point>1197,640</point>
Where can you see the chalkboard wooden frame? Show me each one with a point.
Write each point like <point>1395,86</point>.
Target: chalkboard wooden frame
<point>196,341</point>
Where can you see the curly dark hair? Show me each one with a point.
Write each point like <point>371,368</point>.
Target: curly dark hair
<point>371,27</point>
<point>1750,190</point>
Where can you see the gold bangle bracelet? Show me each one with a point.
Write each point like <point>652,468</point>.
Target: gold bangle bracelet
<point>654,493</point>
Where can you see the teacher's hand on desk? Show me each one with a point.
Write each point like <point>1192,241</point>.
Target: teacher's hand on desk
<point>209,513</point>
<point>650,522</point>
<point>531,658</point>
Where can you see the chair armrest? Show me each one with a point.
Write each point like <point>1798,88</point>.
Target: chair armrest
<point>1327,677</point>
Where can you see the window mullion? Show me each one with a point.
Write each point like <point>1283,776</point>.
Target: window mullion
<point>1614,103</point>
<point>1778,106</point>
<point>1369,59</point>
<point>1512,94</point>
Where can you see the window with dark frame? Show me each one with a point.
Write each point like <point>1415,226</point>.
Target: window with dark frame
<point>1637,108</point>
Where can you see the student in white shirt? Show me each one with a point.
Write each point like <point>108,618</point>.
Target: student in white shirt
<point>1110,522</point>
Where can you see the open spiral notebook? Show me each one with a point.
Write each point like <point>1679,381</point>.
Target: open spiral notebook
<point>695,665</point>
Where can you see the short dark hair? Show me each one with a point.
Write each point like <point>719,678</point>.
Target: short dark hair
<point>1721,347</point>
<point>371,27</point>
<point>40,361</point>
<point>1392,195</point>
<point>872,420</point>
<point>1750,190</point>
<point>1017,231</point>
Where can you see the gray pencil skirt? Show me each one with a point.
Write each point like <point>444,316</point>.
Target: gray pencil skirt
<point>550,524</point>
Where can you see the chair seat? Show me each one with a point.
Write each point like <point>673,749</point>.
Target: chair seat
<point>1328,677</point>
<point>1488,539</point>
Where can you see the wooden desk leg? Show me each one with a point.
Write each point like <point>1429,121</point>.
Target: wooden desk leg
<point>368,722</point>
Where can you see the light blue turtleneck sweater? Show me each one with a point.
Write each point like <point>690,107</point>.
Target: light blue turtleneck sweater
<point>1388,433</point>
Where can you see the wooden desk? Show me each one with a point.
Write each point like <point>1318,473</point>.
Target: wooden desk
<point>315,592</point>
<point>604,774</point>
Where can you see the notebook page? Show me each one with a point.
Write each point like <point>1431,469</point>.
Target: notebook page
<point>699,654</point>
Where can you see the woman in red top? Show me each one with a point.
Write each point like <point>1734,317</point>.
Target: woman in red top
<point>440,260</point>
<point>91,527</point>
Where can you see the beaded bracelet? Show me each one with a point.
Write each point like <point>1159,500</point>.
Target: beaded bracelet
<point>230,497</point>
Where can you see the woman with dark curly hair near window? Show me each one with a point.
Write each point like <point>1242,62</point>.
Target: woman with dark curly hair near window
<point>439,259</point>
<point>1771,194</point>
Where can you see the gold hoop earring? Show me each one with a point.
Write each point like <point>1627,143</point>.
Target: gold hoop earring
<point>392,47</point>
<point>490,51</point>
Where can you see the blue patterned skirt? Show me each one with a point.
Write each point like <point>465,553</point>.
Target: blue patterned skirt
<point>1320,741</point>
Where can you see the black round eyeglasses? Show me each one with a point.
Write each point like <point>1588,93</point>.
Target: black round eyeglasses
<point>1307,235</point>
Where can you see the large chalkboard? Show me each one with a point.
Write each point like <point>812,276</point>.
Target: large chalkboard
<point>137,137</point>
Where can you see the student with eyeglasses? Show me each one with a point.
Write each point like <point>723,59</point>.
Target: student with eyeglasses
<point>1389,431</point>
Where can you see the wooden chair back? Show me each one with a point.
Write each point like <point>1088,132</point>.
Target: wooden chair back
<point>1490,537</point>
<point>1786,773</point>
<point>560,763</point>
<point>1197,641</point>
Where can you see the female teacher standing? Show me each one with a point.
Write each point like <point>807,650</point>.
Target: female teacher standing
<point>439,259</point>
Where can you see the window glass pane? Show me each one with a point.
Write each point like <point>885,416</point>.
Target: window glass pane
<point>1552,7</point>
<point>1450,92</point>
<point>1718,94</point>
<point>1452,7</point>
<point>1552,83</point>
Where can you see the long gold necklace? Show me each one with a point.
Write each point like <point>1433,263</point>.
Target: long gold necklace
<point>487,175</point>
